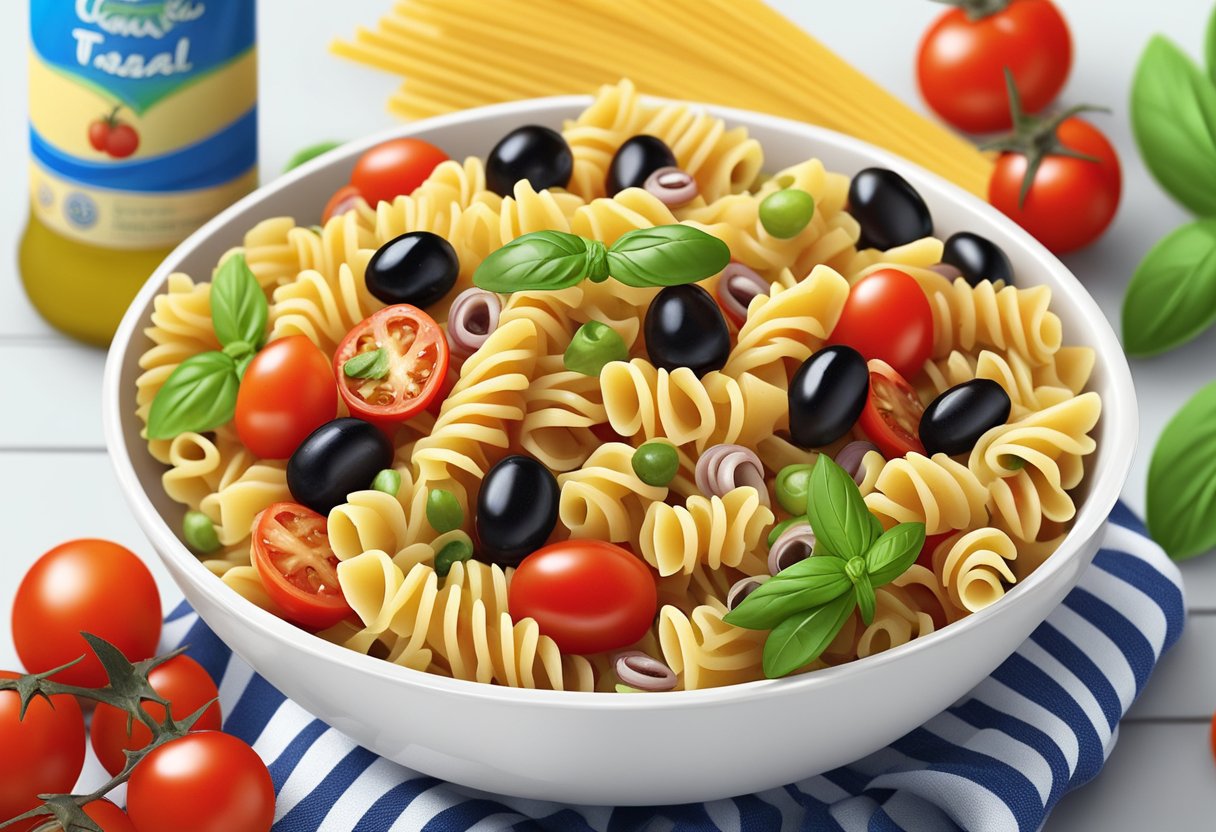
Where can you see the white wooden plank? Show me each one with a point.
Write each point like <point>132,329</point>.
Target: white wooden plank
<point>56,390</point>
<point>1199,580</point>
<point>1184,683</point>
<point>1159,777</point>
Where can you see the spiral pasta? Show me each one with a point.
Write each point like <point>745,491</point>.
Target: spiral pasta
<point>704,651</point>
<point>391,523</point>
<point>937,491</point>
<point>562,407</point>
<point>1012,372</point>
<point>604,499</point>
<point>974,568</point>
<point>1013,319</point>
<point>715,531</point>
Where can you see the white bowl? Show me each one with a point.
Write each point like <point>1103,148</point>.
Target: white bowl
<point>609,749</point>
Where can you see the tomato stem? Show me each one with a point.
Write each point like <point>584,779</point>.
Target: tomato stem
<point>112,118</point>
<point>978,9</point>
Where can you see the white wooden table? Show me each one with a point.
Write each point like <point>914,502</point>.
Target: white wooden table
<point>56,482</point>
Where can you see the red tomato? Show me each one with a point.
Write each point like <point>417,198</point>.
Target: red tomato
<point>183,682</point>
<point>343,200</point>
<point>395,168</point>
<point>587,595</point>
<point>417,364</point>
<point>287,392</point>
<point>91,586</point>
<point>961,63</point>
<point>43,753</point>
<point>925,558</point>
<point>122,141</point>
<point>1071,201</point>
<point>204,782</point>
<point>891,417</point>
<point>99,134</point>
<point>298,568</point>
<point>888,317</point>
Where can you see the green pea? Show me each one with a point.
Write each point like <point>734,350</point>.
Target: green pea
<point>594,345</point>
<point>787,212</point>
<point>388,481</point>
<point>626,689</point>
<point>456,550</point>
<point>199,532</point>
<point>780,528</point>
<point>794,487</point>
<point>443,511</point>
<point>655,463</point>
<point>309,153</point>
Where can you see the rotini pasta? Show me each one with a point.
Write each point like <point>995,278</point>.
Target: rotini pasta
<point>715,531</point>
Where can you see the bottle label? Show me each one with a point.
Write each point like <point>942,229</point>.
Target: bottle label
<point>143,116</point>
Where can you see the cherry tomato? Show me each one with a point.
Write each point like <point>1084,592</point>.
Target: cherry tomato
<point>287,392</point>
<point>204,782</point>
<point>91,586</point>
<point>395,168</point>
<point>587,595</point>
<point>122,141</point>
<point>1071,201</point>
<point>417,354</point>
<point>99,134</point>
<point>108,816</point>
<point>961,63</point>
<point>43,753</point>
<point>892,413</point>
<point>888,317</point>
<point>343,200</point>
<point>298,568</point>
<point>183,682</point>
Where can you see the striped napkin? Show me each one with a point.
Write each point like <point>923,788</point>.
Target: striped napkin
<point>998,760</point>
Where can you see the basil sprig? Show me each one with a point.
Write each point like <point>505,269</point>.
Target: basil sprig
<point>373,365</point>
<point>666,255</point>
<point>200,394</point>
<point>1181,500</point>
<point>805,605</point>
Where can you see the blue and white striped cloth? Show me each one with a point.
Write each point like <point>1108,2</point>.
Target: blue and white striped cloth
<point>998,760</point>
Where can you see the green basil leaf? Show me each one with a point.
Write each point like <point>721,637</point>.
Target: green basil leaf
<point>1209,46</point>
<point>894,552</point>
<point>804,636</point>
<point>838,513</point>
<point>866,599</point>
<point>666,255</point>
<point>541,260</point>
<point>308,154</point>
<point>238,305</point>
<point>1182,480</point>
<point>806,584</point>
<point>199,395</point>
<point>1172,296</point>
<point>372,364</point>
<point>1174,119</point>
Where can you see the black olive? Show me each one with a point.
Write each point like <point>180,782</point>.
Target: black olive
<point>955,420</point>
<point>635,160</point>
<point>684,328</point>
<point>889,210</point>
<point>532,152</point>
<point>338,458</point>
<point>516,510</point>
<point>978,258</point>
<point>827,395</point>
<point>418,268</point>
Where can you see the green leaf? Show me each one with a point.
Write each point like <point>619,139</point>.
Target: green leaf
<point>1174,120</point>
<point>894,552</point>
<point>666,255</point>
<point>801,586</point>
<point>1209,46</point>
<point>804,636</point>
<point>200,395</point>
<point>1172,296</point>
<point>238,305</point>
<point>372,364</point>
<point>838,514</point>
<point>1182,480</point>
<point>541,260</point>
<point>308,154</point>
<point>866,600</point>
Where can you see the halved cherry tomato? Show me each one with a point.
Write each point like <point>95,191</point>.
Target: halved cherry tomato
<point>587,595</point>
<point>891,417</point>
<point>417,354</point>
<point>343,200</point>
<point>298,568</point>
<point>888,317</point>
<point>287,392</point>
<point>394,168</point>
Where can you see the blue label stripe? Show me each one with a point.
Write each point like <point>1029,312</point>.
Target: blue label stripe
<point>216,160</point>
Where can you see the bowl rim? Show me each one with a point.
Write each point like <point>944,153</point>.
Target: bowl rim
<point>1119,425</point>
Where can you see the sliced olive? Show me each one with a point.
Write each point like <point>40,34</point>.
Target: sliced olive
<point>538,154</point>
<point>826,396</point>
<point>337,459</point>
<point>889,210</point>
<point>635,160</point>
<point>977,258</point>
<point>516,510</point>
<point>955,420</point>
<point>418,268</point>
<point>684,328</point>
